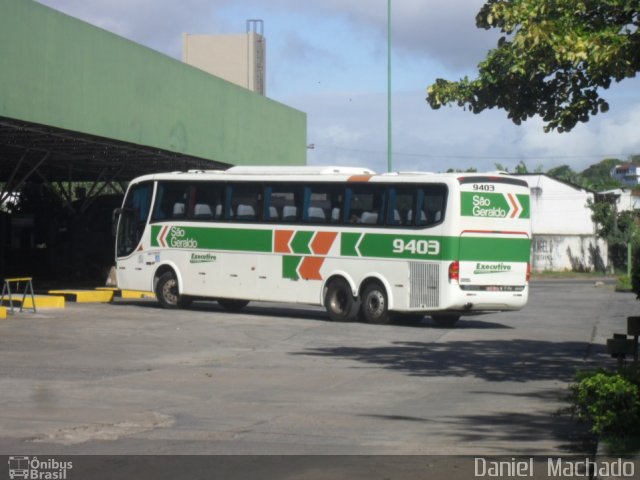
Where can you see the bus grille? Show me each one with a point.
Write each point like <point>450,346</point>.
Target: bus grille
<point>425,285</point>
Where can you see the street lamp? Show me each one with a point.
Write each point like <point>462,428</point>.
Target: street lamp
<point>389,143</point>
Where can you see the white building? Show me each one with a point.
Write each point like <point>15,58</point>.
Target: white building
<point>238,58</point>
<point>627,173</point>
<point>564,236</point>
<point>626,200</point>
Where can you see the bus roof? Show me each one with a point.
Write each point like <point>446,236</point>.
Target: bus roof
<point>329,173</point>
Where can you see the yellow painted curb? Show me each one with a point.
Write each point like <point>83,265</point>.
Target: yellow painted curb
<point>136,294</point>
<point>85,296</point>
<point>127,293</point>
<point>45,301</point>
<point>42,301</point>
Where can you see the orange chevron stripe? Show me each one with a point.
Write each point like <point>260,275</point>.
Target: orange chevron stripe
<point>310,268</point>
<point>359,178</point>
<point>281,239</point>
<point>514,204</point>
<point>322,242</point>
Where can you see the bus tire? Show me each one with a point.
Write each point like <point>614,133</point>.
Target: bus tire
<point>231,305</point>
<point>375,304</point>
<point>167,292</point>
<point>339,301</point>
<point>445,319</point>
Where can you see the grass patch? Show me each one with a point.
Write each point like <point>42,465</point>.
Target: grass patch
<point>624,284</point>
<point>568,274</point>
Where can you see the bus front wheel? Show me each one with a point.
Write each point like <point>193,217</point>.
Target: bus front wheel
<point>375,305</point>
<point>339,301</point>
<point>167,292</point>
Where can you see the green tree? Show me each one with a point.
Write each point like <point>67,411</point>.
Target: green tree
<point>598,176</point>
<point>552,61</point>
<point>565,173</point>
<point>620,229</point>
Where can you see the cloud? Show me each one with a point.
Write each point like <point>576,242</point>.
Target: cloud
<point>325,59</point>
<point>612,135</point>
<point>351,128</point>
<point>441,30</point>
<point>296,48</point>
<point>157,24</point>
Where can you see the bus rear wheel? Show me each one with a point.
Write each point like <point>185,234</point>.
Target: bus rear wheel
<point>231,305</point>
<point>445,320</point>
<point>375,304</point>
<point>339,301</point>
<point>167,292</point>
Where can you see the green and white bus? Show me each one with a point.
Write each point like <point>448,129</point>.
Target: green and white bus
<point>363,245</point>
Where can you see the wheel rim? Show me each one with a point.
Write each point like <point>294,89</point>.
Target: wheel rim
<point>339,302</point>
<point>170,291</point>
<point>375,304</point>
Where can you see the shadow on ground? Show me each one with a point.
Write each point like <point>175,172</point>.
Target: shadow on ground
<point>517,360</point>
<point>310,313</point>
<point>513,360</point>
<point>512,429</point>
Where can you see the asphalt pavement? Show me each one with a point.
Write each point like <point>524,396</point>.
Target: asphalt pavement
<point>131,378</point>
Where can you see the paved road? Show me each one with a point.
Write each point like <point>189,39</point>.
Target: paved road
<point>129,377</point>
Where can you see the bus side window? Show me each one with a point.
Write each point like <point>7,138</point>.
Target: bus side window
<point>178,210</point>
<point>246,202</point>
<point>207,198</point>
<point>289,213</point>
<point>316,214</point>
<point>432,201</point>
<point>323,203</point>
<point>400,206</point>
<point>245,212</point>
<point>364,204</point>
<point>280,203</point>
<point>171,201</point>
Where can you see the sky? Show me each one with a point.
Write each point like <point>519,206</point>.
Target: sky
<point>328,58</point>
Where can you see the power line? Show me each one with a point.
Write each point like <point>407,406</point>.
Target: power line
<point>474,157</point>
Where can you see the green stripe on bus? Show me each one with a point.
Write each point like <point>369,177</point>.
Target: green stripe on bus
<point>495,249</point>
<point>300,242</point>
<point>371,245</point>
<point>348,242</point>
<point>526,209</point>
<point>211,238</point>
<point>420,247</point>
<point>492,205</point>
<point>290,265</point>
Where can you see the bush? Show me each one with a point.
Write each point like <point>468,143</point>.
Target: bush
<point>610,402</point>
<point>624,284</point>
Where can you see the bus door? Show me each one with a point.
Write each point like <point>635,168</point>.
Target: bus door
<point>131,269</point>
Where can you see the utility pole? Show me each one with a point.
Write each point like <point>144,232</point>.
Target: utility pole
<point>389,136</point>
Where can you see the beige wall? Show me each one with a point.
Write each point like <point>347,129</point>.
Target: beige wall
<point>240,59</point>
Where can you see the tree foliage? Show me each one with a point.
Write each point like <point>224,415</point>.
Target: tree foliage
<point>552,60</point>
<point>565,173</point>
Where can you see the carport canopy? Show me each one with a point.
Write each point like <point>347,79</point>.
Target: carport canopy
<point>44,154</point>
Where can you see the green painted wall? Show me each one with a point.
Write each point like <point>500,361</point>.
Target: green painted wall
<point>59,71</point>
